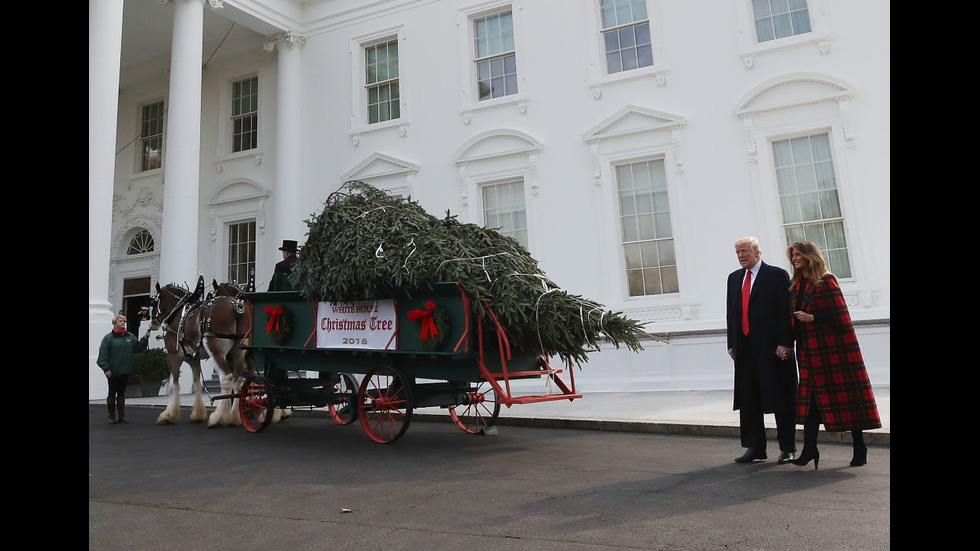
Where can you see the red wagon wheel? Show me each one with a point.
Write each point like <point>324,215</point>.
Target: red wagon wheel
<point>344,412</point>
<point>384,404</point>
<point>479,411</point>
<point>256,404</point>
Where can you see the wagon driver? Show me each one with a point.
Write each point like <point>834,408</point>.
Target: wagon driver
<point>280,279</point>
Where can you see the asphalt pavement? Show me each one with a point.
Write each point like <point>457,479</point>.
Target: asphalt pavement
<point>687,412</point>
<point>313,484</point>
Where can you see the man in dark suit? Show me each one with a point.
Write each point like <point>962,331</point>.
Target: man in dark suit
<point>760,340</point>
<point>280,281</point>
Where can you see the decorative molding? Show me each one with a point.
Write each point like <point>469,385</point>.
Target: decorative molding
<point>751,142</point>
<point>596,163</point>
<point>597,91</point>
<point>675,144</point>
<point>463,188</point>
<point>665,313</point>
<point>532,172</point>
<point>149,221</point>
<point>661,79</point>
<point>823,47</point>
<point>845,117</point>
<point>288,38</point>
<point>467,117</point>
<point>355,140</point>
<point>631,120</point>
<point>144,199</point>
<point>748,61</point>
<point>379,166</point>
<point>790,92</point>
<point>496,143</point>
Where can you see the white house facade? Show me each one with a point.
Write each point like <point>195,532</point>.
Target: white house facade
<point>626,143</point>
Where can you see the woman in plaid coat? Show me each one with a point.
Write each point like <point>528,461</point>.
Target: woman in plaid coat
<point>834,385</point>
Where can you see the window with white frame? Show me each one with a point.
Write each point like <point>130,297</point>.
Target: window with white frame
<point>241,252</point>
<point>496,59</point>
<point>141,243</point>
<point>626,35</point>
<point>780,18</point>
<point>245,114</point>
<point>648,240</point>
<point>504,209</point>
<point>381,81</point>
<point>808,195</point>
<point>151,136</point>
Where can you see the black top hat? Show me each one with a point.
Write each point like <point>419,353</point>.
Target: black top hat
<point>288,245</point>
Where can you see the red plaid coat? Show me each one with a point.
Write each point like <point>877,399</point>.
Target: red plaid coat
<point>830,360</point>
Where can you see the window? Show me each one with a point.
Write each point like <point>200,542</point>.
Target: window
<point>504,209</point>
<point>626,34</point>
<point>141,243</point>
<point>381,78</point>
<point>241,253</point>
<point>245,114</point>
<point>496,62</point>
<point>151,136</point>
<point>648,241</point>
<point>780,18</point>
<point>808,194</point>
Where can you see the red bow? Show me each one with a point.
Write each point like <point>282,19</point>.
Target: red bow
<point>276,313</point>
<point>428,324</point>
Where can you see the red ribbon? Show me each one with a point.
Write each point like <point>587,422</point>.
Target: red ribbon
<point>428,324</point>
<point>276,314</point>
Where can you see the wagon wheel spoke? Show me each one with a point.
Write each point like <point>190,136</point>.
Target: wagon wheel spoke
<point>344,412</point>
<point>384,404</point>
<point>478,411</point>
<point>255,405</point>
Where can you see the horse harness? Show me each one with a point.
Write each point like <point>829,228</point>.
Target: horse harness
<point>185,308</point>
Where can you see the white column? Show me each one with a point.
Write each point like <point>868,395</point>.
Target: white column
<point>178,252</point>
<point>287,205</point>
<point>104,49</point>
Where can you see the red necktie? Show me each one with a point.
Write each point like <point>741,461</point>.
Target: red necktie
<point>746,288</point>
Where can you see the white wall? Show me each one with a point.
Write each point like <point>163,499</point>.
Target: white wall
<point>721,186</point>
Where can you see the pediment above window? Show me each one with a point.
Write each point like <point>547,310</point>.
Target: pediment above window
<point>379,165</point>
<point>385,172</point>
<point>793,91</point>
<point>239,190</point>
<point>496,143</point>
<point>633,120</point>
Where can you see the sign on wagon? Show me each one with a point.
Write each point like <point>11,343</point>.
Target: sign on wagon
<point>368,324</point>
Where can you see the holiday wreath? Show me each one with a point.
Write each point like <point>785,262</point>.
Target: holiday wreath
<point>279,326</point>
<point>434,325</point>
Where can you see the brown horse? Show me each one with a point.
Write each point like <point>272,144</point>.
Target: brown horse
<point>195,330</point>
<point>233,289</point>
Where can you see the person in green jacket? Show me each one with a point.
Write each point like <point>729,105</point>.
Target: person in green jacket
<point>116,360</point>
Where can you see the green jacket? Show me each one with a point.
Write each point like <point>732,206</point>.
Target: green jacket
<point>116,352</point>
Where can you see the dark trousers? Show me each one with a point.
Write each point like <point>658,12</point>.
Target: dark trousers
<point>752,428</point>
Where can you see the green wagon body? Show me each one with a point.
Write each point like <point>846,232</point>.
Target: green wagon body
<point>467,362</point>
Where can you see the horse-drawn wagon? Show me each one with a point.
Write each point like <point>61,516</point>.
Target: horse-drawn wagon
<point>414,349</point>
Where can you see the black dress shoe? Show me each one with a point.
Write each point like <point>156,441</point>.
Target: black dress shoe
<point>786,457</point>
<point>751,455</point>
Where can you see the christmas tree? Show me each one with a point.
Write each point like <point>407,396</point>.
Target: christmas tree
<point>366,242</point>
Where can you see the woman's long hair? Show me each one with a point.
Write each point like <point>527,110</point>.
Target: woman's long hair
<point>816,266</point>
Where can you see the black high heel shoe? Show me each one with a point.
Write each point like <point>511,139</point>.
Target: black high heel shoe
<point>808,454</point>
<point>860,456</point>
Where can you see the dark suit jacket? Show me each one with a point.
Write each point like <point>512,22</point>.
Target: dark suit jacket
<point>279,282</point>
<point>770,323</point>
